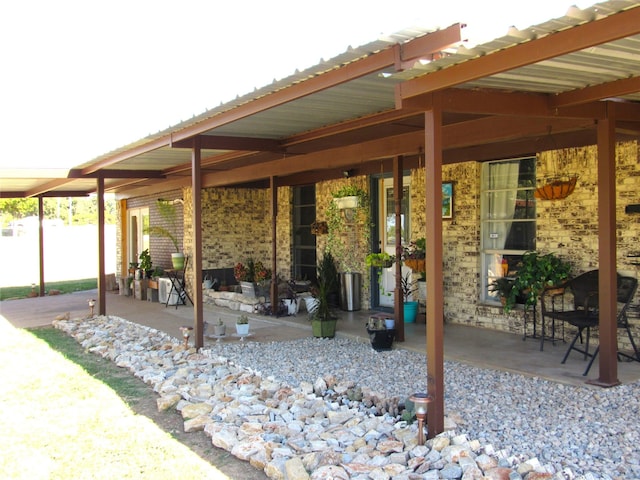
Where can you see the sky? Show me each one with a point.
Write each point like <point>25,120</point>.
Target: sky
<point>82,78</point>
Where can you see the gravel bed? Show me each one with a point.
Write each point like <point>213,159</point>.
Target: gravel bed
<point>592,431</point>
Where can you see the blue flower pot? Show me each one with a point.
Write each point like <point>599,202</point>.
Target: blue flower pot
<point>410,312</point>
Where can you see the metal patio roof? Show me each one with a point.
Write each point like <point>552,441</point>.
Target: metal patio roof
<point>339,103</point>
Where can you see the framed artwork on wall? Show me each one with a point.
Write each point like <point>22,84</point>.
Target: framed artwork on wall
<point>447,200</point>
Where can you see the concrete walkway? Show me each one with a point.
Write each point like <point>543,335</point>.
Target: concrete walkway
<point>475,346</point>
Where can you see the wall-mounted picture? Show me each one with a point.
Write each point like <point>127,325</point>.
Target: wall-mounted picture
<point>447,200</point>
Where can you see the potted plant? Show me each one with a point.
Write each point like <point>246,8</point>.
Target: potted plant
<point>291,298</point>
<point>220,329</point>
<point>379,260</point>
<point>242,325</point>
<point>408,288</point>
<point>252,277</point>
<point>323,321</point>
<point>167,210</point>
<point>343,219</point>
<point>414,254</point>
<point>145,263</point>
<point>503,287</point>
<point>535,273</point>
<point>328,273</point>
<point>381,332</point>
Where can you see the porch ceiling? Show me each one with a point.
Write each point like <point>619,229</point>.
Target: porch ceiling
<point>359,109</point>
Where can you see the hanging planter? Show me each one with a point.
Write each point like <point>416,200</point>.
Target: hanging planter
<point>351,201</point>
<point>415,264</point>
<point>556,189</point>
<point>319,228</point>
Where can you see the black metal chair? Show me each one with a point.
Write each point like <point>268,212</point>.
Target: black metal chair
<point>584,314</point>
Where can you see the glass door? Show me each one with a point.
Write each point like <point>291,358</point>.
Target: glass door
<point>138,241</point>
<point>387,233</point>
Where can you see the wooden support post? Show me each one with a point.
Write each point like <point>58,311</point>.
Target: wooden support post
<point>273,288</point>
<point>102,284</point>
<point>435,292</point>
<point>607,282</point>
<point>398,299</point>
<point>41,243</point>
<point>196,254</point>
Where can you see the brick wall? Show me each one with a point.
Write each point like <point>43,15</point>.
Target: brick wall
<point>237,225</point>
<point>352,241</point>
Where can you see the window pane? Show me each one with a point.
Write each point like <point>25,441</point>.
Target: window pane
<point>508,218</point>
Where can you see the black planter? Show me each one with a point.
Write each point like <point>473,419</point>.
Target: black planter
<point>381,339</point>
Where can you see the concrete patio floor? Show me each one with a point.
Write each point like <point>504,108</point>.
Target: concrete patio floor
<point>474,346</point>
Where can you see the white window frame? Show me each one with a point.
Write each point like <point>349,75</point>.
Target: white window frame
<point>491,233</point>
<point>137,239</point>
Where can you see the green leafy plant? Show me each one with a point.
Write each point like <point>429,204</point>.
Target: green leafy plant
<point>328,273</point>
<point>340,243</point>
<point>382,259</point>
<point>379,261</point>
<point>242,320</point>
<point>407,286</point>
<point>535,273</point>
<point>145,261</point>
<point>503,287</point>
<point>168,212</point>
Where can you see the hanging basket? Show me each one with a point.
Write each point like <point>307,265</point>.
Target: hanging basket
<point>415,264</point>
<point>556,189</point>
<point>319,228</point>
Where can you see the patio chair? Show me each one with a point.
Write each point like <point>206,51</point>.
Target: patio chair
<point>583,312</point>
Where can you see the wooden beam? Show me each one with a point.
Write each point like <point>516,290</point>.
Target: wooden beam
<point>54,194</point>
<point>503,128</point>
<point>613,27</point>
<point>127,153</point>
<point>46,187</point>
<point>120,173</point>
<point>219,142</point>
<point>613,89</point>
<point>428,46</point>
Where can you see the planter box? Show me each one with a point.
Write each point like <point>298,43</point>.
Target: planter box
<point>324,329</point>
<point>415,264</point>
<point>347,202</point>
<point>242,328</point>
<point>248,289</point>
<point>382,339</point>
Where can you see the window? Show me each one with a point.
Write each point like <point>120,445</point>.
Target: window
<point>508,218</point>
<point>304,242</point>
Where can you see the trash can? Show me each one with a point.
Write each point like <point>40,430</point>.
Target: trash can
<point>350,288</point>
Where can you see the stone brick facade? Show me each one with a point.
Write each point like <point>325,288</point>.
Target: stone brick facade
<point>237,225</point>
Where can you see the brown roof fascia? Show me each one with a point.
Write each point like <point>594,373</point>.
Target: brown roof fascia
<point>428,46</point>
<point>77,173</point>
<point>220,142</point>
<point>49,194</point>
<point>613,89</point>
<point>46,187</point>
<point>597,32</point>
<point>129,153</point>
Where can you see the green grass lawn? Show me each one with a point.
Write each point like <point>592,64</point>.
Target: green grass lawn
<point>67,414</point>
<point>67,286</point>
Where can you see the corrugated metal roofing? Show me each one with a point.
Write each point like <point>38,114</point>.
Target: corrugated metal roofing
<point>375,93</point>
